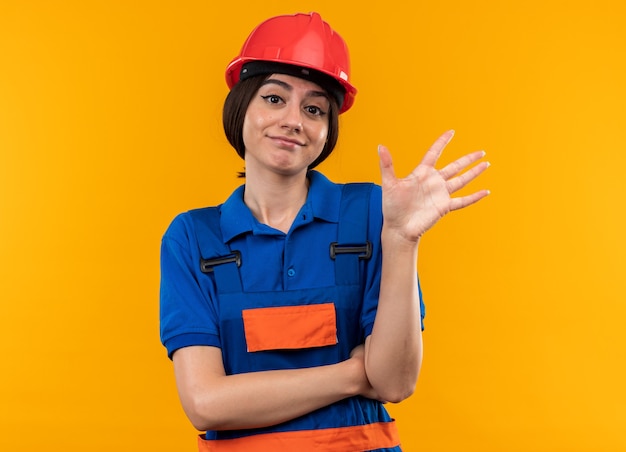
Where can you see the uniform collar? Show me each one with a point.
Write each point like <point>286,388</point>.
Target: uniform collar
<point>322,202</point>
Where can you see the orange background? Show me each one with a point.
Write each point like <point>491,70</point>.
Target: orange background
<point>110,125</point>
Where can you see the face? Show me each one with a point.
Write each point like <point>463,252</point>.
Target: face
<point>285,126</point>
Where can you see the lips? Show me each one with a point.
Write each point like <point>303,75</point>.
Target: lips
<point>286,141</point>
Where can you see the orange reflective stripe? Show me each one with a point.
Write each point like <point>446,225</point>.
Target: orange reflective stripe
<point>290,327</point>
<point>343,439</point>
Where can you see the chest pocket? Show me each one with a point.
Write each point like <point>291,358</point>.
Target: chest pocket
<point>290,327</point>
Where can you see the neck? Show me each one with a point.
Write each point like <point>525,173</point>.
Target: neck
<point>276,202</point>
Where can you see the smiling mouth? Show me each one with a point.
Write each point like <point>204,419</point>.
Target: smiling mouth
<point>287,141</point>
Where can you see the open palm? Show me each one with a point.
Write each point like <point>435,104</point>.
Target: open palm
<point>413,204</point>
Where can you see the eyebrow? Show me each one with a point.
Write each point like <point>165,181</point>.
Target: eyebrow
<point>288,87</point>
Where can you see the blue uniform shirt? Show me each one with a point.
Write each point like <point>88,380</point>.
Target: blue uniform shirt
<point>274,261</point>
<point>276,269</point>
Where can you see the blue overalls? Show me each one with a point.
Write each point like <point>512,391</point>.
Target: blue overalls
<point>296,329</point>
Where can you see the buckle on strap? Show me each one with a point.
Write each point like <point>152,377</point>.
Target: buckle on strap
<point>206,265</point>
<point>365,250</point>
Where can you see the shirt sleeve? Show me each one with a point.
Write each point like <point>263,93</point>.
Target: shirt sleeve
<point>374,266</point>
<point>187,309</point>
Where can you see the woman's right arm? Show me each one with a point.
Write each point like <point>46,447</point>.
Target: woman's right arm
<point>213,400</point>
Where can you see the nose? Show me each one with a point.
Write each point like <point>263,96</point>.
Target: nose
<point>292,118</point>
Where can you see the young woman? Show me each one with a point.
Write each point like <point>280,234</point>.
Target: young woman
<point>292,311</point>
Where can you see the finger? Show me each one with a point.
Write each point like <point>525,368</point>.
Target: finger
<point>462,180</point>
<point>464,201</point>
<point>459,165</point>
<point>433,154</point>
<point>386,165</point>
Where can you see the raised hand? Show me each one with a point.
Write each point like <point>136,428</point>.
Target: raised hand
<point>413,204</point>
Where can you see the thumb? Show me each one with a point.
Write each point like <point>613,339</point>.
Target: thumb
<point>386,164</point>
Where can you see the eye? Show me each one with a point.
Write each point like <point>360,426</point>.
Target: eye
<point>272,99</point>
<point>314,110</point>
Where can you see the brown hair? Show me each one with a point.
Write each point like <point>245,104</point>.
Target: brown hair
<point>234,113</point>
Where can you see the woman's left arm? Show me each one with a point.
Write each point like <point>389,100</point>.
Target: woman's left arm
<point>411,206</point>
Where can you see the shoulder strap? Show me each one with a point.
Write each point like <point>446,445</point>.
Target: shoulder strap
<point>217,256</point>
<point>352,244</point>
<point>206,224</point>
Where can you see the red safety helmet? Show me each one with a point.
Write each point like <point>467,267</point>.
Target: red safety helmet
<point>302,40</point>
